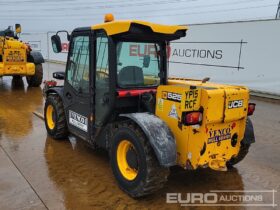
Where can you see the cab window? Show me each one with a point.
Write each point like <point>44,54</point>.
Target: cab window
<point>78,66</point>
<point>138,64</point>
<point>101,78</point>
<point>102,68</point>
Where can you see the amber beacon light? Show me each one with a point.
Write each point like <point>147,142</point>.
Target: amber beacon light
<point>108,18</point>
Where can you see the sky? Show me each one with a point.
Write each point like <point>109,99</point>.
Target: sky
<point>52,15</point>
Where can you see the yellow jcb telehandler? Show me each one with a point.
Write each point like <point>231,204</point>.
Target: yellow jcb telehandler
<point>117,95</point>
<point>17,58</point>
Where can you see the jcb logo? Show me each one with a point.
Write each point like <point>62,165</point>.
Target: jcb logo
<point>235,104</point>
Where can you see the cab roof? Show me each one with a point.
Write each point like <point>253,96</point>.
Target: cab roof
<point>122,26</point>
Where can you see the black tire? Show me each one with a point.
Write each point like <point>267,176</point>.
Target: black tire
<point>36,79</point>
<point>17,82</point>
<point>150,175</point>
<point>244,149</point>
<point>16,77</point>
<point>59,129</point>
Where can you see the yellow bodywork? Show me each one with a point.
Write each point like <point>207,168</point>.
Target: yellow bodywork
<point>208,144</point>
<point>13,54</point>
<point>121,26</point>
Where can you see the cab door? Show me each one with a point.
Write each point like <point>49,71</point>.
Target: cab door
<point>102,79</point>
<point>77,85</point>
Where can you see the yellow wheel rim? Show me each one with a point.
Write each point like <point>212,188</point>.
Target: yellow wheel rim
<point>128,172</point>
<point>50,117</point>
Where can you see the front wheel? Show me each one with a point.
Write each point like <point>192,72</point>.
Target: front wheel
<point>134,163</point>
<point>36,79</point>
<point>55,119</point>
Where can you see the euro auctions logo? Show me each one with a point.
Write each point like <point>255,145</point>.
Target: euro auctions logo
<point>254,198</point>
<point>147,49</point>
<point>192,198</point>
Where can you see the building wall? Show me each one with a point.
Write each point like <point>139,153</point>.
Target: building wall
<point>245,53</point>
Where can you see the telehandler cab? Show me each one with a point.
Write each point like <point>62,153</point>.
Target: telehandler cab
<point>117,95</point>
<point>17,58</point>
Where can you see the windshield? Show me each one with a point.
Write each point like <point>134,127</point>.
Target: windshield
<point>138,64</point>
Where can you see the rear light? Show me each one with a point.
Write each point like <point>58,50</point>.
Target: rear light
<point>192,118</point>
<point>251,108</point>
<point>50,83</point>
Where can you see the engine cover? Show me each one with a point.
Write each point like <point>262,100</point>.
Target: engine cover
<point>217,138</point>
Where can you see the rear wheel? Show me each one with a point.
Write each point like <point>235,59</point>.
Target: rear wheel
<point>17,82</point>
<point>134,163</point>
<point>36,79</point>
<point>16,77</point>
<point>55,120</point>
<point>244,149</point>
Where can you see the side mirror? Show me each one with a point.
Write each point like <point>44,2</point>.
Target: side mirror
<point>60,75</point>
<point>18,28</point>
<point>68,36</point>
<point>146,61</point>
<point>56,43</point>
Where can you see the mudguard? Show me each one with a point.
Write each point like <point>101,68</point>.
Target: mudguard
<point>55,90</point>
<point>35,57</point>
<point>249,136</point>
<point>159,136</point>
